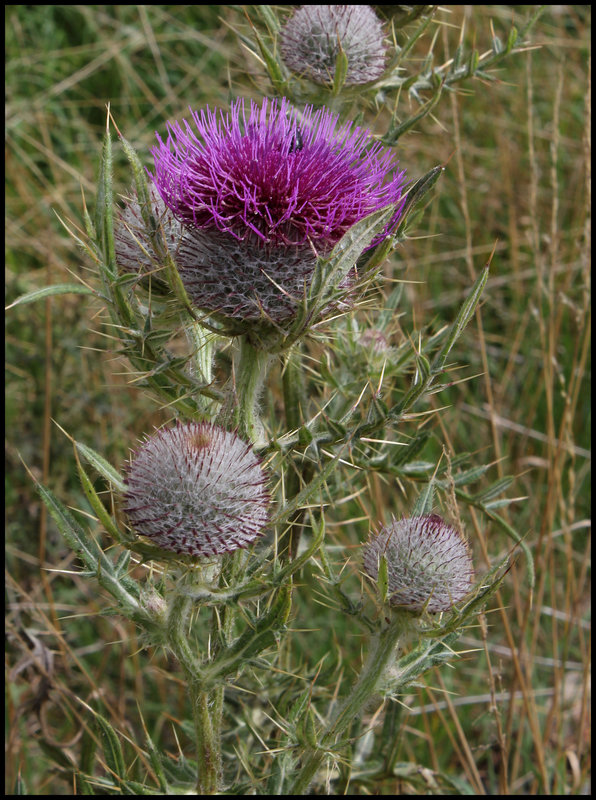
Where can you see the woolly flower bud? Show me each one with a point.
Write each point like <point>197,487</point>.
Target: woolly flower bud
<point>375,340</point>
<point>312,38</point>
<point>133,246</point>
<point>428,563</point>
<point>262,194</point>
<point>196,489</point>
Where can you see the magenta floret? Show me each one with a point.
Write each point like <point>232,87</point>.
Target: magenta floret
<point>274,174</point>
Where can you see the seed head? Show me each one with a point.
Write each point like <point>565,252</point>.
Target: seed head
<point>428,563</point>
<point>196,489</point>
<point>313,37</point>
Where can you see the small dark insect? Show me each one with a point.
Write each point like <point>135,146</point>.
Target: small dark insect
<point>297,142</point>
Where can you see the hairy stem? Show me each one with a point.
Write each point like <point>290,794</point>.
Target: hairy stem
<point>222,624</point>
<point>251,371</point>
<point>382,651</point>
<point>207,730</point>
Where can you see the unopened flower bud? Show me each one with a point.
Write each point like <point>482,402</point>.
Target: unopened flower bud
<point>154,603</point>
<point>135,251</point>
<point>313,37</point>
<point>196,489</point>
<point>429,566</point>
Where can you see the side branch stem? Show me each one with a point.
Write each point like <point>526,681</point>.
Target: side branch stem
<point>382,650</point>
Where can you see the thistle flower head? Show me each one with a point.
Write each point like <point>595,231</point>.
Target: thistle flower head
<point>274,175</point>
<point>312,38</point>
<point>428,563</point>
<point>196,489</point>
<point>262,192</point>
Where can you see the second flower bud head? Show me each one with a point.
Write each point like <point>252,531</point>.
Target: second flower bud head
<point>313,37</point>
<point>428,563</point>
<point>196,489</point>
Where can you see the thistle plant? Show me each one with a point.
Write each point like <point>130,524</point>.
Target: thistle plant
<point>259,231</point>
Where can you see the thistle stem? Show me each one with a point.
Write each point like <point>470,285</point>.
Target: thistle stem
<point>382,650</point>
<point>222,625</point>
<point>208,741</point>
<point>207,731</point>
<point>251,371</point>
<point>294,398</point>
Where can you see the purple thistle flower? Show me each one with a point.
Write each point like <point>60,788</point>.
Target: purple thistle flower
<point>262,194</point>
<point>248,176</point>
<point>428,563</point>
<point>312,38</point>
<point>196,489</point>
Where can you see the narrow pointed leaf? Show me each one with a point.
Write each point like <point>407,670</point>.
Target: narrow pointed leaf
<point>424,503</point>
<point>98,507</point>
<point>415,195</point>
<point>273,68</point>
<point>465,315</point>
<point>331,271</point>
<point>341,70</point>
<point>495,489</point>
<point>383,578</point>
<point>111,746</point>
<point>102,466</point>
<point>50,291</point>
<point>104,212</point>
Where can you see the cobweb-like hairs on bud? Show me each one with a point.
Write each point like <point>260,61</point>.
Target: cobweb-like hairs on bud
<point>312,38</point>
<point>196,489</point>
<point>429,566</point>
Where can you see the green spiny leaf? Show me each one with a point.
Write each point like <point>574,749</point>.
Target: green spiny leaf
<point>98,507</point>
<point>495,489</point>
<point>383,578</point>
<point>50,291</point>
<point>464,316</point>
<point>102,466</point>
<point>111,746</point>
<point>425,502</point>
<point>341,70</point>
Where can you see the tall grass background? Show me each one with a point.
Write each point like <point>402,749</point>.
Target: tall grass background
<point>513,716</point>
